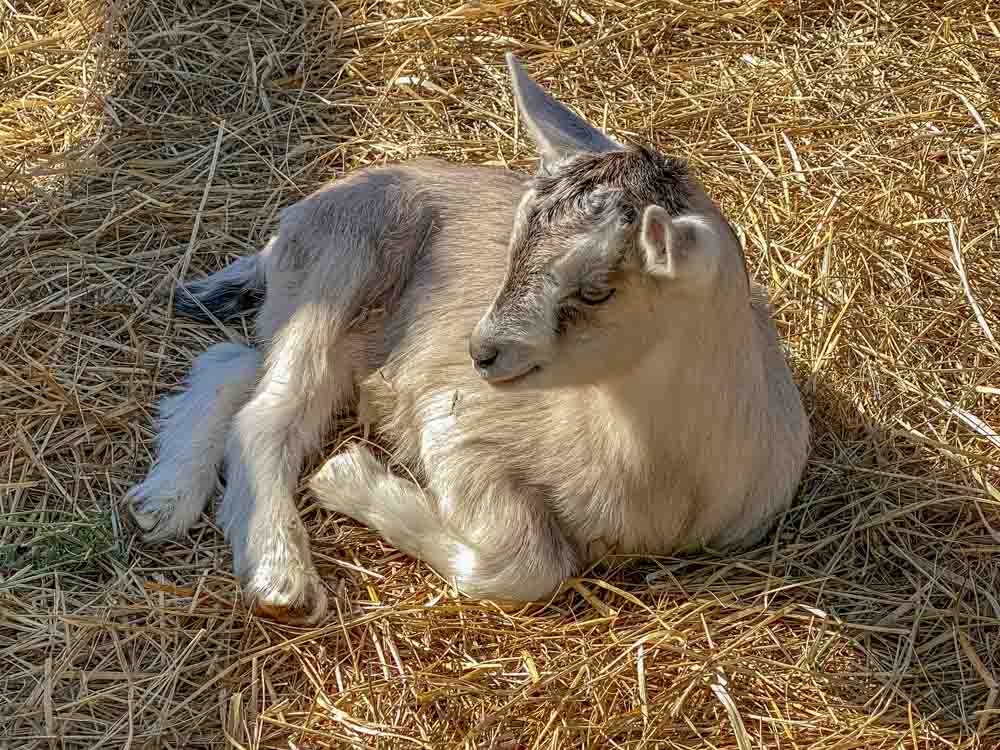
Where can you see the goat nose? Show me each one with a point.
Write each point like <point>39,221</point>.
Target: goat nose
<point>483,354</point>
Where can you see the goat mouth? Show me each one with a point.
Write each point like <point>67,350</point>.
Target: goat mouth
<point>508,379</point>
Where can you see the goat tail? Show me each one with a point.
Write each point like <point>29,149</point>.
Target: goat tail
<point>236,289</point>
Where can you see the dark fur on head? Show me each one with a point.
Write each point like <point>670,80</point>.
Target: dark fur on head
<point>580,189</point>
<point>632,178</point>
<point>642,175</point>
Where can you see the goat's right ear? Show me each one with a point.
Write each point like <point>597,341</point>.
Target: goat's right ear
<point>678,247</point>
<point>556,131</point>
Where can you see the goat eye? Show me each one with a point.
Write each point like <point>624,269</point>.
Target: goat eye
<point>596,204</point>
<point>595,296</point>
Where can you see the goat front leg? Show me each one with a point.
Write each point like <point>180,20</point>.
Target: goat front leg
<point>303,385</point>
<point>507,548</point>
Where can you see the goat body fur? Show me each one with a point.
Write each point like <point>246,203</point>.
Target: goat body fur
<point>371,287</point>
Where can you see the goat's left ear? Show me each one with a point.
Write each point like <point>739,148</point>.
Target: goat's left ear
<point>556,131</point>
<point>678,247</point>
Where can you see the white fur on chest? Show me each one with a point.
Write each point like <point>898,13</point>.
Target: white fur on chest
<point>439,424</point>
<point>439,436</point>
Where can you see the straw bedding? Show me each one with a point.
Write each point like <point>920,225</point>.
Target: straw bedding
<point>854,144</point>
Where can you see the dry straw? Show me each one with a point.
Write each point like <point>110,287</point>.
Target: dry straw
<point>854,143</point>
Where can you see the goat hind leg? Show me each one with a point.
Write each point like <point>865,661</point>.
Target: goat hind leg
<point>192,428</point>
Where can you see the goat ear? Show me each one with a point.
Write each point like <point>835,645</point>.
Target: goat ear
<point>557,132</point>
<point>677,247</point>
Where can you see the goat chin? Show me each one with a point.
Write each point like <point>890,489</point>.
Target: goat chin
<point>564,366</point>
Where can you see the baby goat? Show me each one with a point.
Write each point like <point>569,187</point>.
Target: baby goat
<point>568,364</point>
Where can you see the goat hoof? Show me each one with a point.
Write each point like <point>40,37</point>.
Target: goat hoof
<point>344,482</point>
<point>305,606</point>
<point>158,517</point>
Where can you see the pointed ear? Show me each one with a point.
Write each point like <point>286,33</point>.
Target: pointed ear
<point>678,247</point>
<point>556,131</point>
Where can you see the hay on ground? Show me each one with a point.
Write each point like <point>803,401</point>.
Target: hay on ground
<point>854,144</point>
